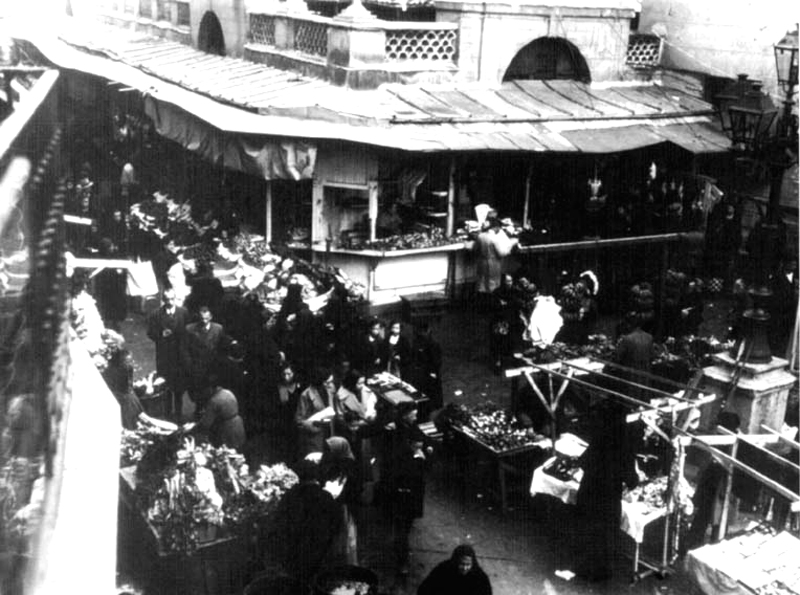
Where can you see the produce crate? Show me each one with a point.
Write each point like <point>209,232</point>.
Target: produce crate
<point>157,404</point>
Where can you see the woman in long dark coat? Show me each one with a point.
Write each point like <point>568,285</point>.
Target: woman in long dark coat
<point>607,463</point>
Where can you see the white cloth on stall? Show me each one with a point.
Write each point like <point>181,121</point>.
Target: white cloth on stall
<point>141,279</point>
<point>545,321</point>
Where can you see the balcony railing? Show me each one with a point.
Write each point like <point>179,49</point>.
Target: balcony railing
<point>307,33</point>
<point>425,41</point>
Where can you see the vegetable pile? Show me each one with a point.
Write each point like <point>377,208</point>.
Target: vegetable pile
<point>191,493</point>
<point>408,241</point>
<point>495,427</point>
<point>652,494</point>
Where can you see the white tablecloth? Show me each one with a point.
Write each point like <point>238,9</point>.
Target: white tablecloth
<point>745,563</point>
<point>635,515</point>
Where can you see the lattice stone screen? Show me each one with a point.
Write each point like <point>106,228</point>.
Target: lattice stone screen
<point>184,14</point>
<point>146,9</point>
<point>162,9</point>
<point>311,37</point>
<point>421,45</point>
<point>262,29</point>
<point>644,49</point>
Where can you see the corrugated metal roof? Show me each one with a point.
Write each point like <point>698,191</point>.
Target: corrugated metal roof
<point>560,116</point>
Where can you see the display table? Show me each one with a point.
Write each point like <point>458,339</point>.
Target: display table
<point>636,516</point>
<point>510,461</point>
<point>216,567</point>
<point>750,563</point>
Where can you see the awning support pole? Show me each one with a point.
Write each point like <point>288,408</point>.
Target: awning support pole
<point>372,186</point>
<point>526,209</point>
<point>268,201</point>
<point>451,198</point>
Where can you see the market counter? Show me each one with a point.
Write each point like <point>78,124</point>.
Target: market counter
<point>390,274</point>
<point>218,565</point>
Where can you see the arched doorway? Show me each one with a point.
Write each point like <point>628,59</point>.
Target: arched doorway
<point>548,58</point>
<point>210,38</point>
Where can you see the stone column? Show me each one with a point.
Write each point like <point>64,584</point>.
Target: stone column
<point>760,395</point>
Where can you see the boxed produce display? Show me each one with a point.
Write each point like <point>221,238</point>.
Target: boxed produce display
<point>490,425</point>
<point>409,241</point>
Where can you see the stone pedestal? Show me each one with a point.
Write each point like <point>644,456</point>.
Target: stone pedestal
<point>760,394</point>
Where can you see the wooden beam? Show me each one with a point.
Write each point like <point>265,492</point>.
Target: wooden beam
<point>728,461</point>
<point>781,437</point>
<point>372,187</point>
<point>539,394</point>
<point>268,201</point>
<point>604,391</point>
<point>774,456</point>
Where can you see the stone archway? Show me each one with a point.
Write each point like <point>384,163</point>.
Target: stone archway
<point>210,38</point>
<point>548,58</point>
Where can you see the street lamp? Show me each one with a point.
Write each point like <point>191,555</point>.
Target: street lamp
<point>756,129</point>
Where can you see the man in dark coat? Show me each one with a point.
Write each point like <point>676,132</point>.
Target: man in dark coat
<point>303,527</point>
<point>367,352</point>
<point>203,343</point>
<point>635,351</point>
<point>166,327</point>
<point>426,368</point>
<point>405,475</point>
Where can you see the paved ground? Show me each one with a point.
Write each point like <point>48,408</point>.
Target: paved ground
<point>521,549</point>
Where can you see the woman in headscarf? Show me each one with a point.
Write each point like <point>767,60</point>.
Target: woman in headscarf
<point>337,464</point>
<point>460,574</point>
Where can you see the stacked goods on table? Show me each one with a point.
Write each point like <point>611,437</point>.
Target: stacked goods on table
<point>762,561</point>
<point>244,261</point>
<point>247,262</point>
<point>653,494</point>
<point>392,388</point>
<point>598,346</point>
<point>409,241</point>
<point>564,468</point>
<point>192,493</point>
<point>489,424</point>
<point>693,351</point>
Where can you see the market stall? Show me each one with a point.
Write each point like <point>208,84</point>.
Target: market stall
<point>663,490</point>
<point>490,433</point>
<point>759,561</point>
<point>188,511</point>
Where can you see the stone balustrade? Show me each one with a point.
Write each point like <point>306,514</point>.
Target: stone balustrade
<point>352,38</point>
